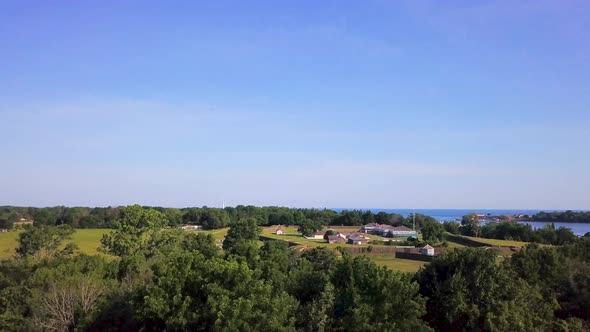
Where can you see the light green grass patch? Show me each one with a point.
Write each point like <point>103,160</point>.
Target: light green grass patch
<point>397,264</point>
<point>496,242</point>
<point>7,244</point>
<point>218,234</point>
<point>88,240</point>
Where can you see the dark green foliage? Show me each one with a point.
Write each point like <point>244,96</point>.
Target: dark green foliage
<point>471,225</point>
<point>451,227</point>
<point>372,298</point>
<point>432,231</point>
<point>204,243</point>
<point>309,227</point>
<point>209,218</point>
<point>167,279</point>
<point>44,241</point>
<point>243,230</point>
<point>6,223</point>
<point>191,293</point>
<point>565,216</point>
<point>522,232</point>
<point>562,273</point>
<point>350,218</point>
<point>133,231</point>
<point>468,291</point>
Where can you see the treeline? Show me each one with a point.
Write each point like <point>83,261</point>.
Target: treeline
<point>565,216</point>
<point>470,226</point>
<point>209,218</point>
<point>161,279</point>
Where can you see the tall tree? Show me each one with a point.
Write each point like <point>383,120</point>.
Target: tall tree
<point>470,223</point>
<point>132,231</point>
<point>432,231</point>
<point>44,241</point>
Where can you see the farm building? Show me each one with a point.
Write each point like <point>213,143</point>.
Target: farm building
<point>388,230</point>
<point>358,239</point>
<point>319,235</point>
<point>336,238</point>
<point>427,250</point>
<point>22,222</point>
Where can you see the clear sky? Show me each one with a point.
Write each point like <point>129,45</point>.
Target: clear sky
<point>373,104</point>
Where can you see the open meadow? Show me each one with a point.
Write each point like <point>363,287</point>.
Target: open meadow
<point>88,240</point>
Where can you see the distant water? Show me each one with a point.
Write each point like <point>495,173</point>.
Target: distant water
<point>449,214</point>
<point>577,228</point>
<point>456,215</point>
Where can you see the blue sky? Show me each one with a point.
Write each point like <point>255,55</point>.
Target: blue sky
<point>376,104</point>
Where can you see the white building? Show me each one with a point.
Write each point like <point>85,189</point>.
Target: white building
<point>428,250</point>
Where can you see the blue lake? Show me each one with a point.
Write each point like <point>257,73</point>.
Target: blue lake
<point>456,214</point>
<point>577,228</point>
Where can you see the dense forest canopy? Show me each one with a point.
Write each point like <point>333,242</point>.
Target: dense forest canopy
<point>155,278</point>
<point>561,216</point>
<point>209,218</point>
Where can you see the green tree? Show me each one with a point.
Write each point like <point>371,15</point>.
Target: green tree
<point>243,230</point>
<point>432,231</point>
<point>468,291</point>
<point>309,227</point>
<point>241,241</point>
<point>174,217</point>
<point>451,227</point>
<point>470,223</point>
<point>6,223</point>
<point>67,295</point>
<point>373,298</point>
<point>204,243</point>
<point>191,293</point>
<point>44,241</point>
<point>132,231</point>
<point>275,263</point>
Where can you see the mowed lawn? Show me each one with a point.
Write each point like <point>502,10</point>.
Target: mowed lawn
<point>501,243</point>
<point>397,264</point>
<point>88,240</point>
<point>218,234</point>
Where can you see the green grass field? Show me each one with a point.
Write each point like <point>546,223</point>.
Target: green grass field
<point>88,240</point>
<point>7,244</point>
<point>218,234</point>
<point>501,243</point>
<point>397,264</point>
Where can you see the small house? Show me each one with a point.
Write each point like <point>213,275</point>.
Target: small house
<point>22,222</point>
<point>358,239</point>
<point>370,228</point>
<point>279,232</point>
<point>427,250</point>
<point>319,235</point>
<point>336,239</point>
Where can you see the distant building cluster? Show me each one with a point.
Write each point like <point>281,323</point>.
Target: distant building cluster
<point>338,237</point>
<point>192,227</point>
<point>388,230</point>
